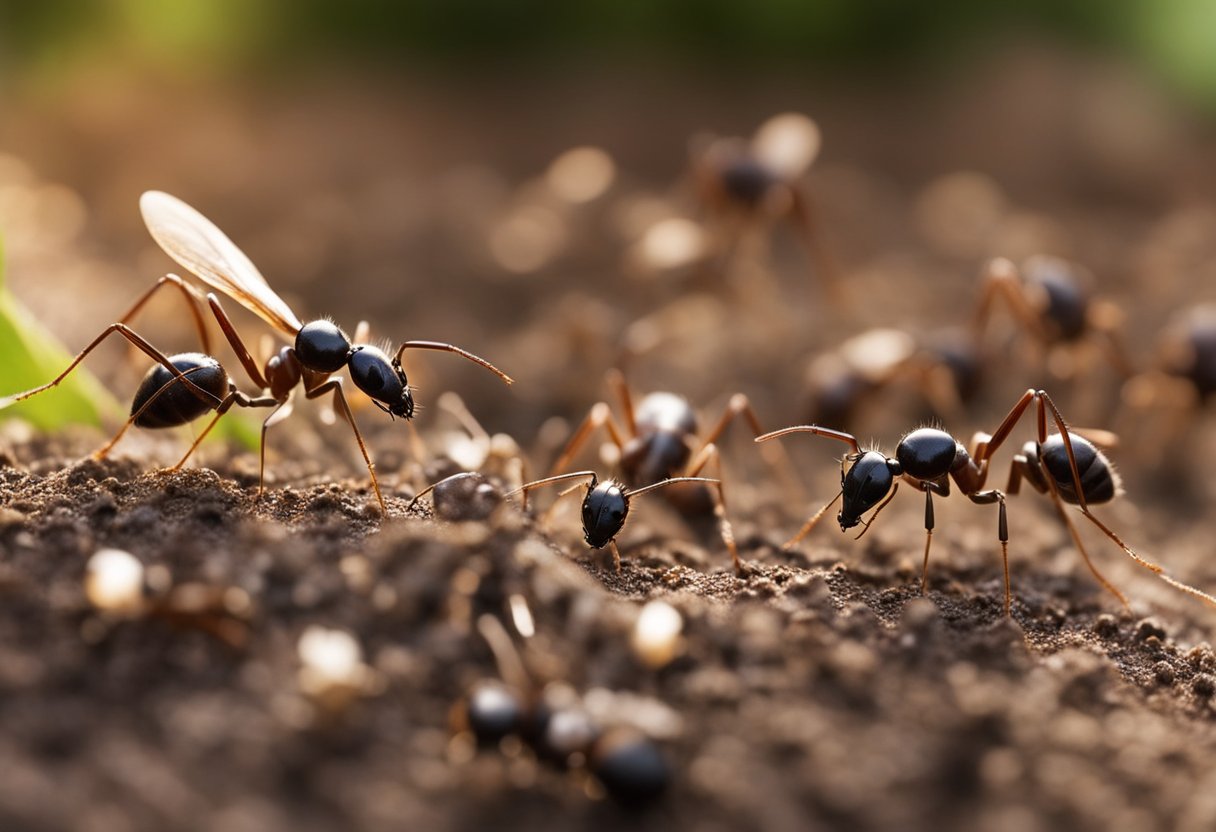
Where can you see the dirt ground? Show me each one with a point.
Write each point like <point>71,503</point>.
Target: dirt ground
<point>819,691</point>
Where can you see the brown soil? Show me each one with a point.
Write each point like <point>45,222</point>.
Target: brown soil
<point>820,691</point>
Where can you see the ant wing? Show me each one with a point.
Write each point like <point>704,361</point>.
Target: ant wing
<point>787,144</point>
<point>199,246</point>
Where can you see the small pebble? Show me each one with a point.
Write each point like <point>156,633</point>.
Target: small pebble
<point>114,582</point>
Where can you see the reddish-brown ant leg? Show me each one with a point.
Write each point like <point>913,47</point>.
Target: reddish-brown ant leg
<point>105,449</point>
<point>617,383</point>
<point>707,455</point>
<point>1045,402</point>
<point>930,488</point>
<point>334,386</point>
<point>273,418</point>
<point>775,455</point>
<point>1002,280</point>
<point>235,341</point>
<point>809,525</point>
<point>194,300</point>
<point>236,397</point>
<point>803,216</point>
<point>136,339</point>
<point>600,415</point>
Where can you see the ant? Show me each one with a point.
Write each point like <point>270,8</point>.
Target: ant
<point>755,183</point>
<point>1050,299</point>
<point>177,390</point>
<point>945,368</point>
<point>320,348</point>
<point>658,444</point>
<point>1066,466</point>
<point>559,728</point>
<point>1186,362</point>
<point>606,506</point>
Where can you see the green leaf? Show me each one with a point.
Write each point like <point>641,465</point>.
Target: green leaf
<point>31,356</point>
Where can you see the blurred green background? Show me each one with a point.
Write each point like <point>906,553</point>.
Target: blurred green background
<point>1172,39</point>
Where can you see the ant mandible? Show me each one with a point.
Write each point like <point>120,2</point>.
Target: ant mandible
<point>1066,466</point>
<point>658,442</point>
<point>605,505</point>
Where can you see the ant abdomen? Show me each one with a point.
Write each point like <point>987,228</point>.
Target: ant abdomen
<point>653,457</point>
<point>173,403</point>
<point>1098,478</point>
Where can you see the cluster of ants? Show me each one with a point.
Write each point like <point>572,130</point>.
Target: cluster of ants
<point>658,441</point>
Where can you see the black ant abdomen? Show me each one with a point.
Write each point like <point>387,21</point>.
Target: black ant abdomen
<point>163,401</point>
<point>1099,482</point>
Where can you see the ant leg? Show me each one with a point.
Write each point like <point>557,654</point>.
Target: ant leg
<point>1106,320</point>
<point>194,300</point>
<point>985,447</point>
<point>600,415</point>
<point>929,488</point>
<point>616,555</point>
<point>1021,469</point>
<point>1002,533</point>
<point>363,332</point>
<point>803,216</point>
<point>1002,281</point>
<point>273,418</point>
<point>105,449</point>
<point>1076,539</point>
<point>809,525</point>
<point>710,454</point>
<point>774,455</point>
<point>437,345</point>
<point>616,381</point>
<point>234,398</point>
<point>924,570</point>
<point>136,339</point>
<point>234,340</point>
<point>334,386</point>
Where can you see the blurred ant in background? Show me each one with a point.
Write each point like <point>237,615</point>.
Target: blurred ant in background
<point>1066,466</point>
<point>747,186</point>
<point>1051,300</point>
<point>659,441</point>
<point>945,369</point>
<point>557,724</point>
<point>1181,381</point>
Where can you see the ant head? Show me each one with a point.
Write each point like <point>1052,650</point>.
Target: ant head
<point>322,346</point>
<point>604,510</point>
<point>383,379</point>
<point>864,485</point>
